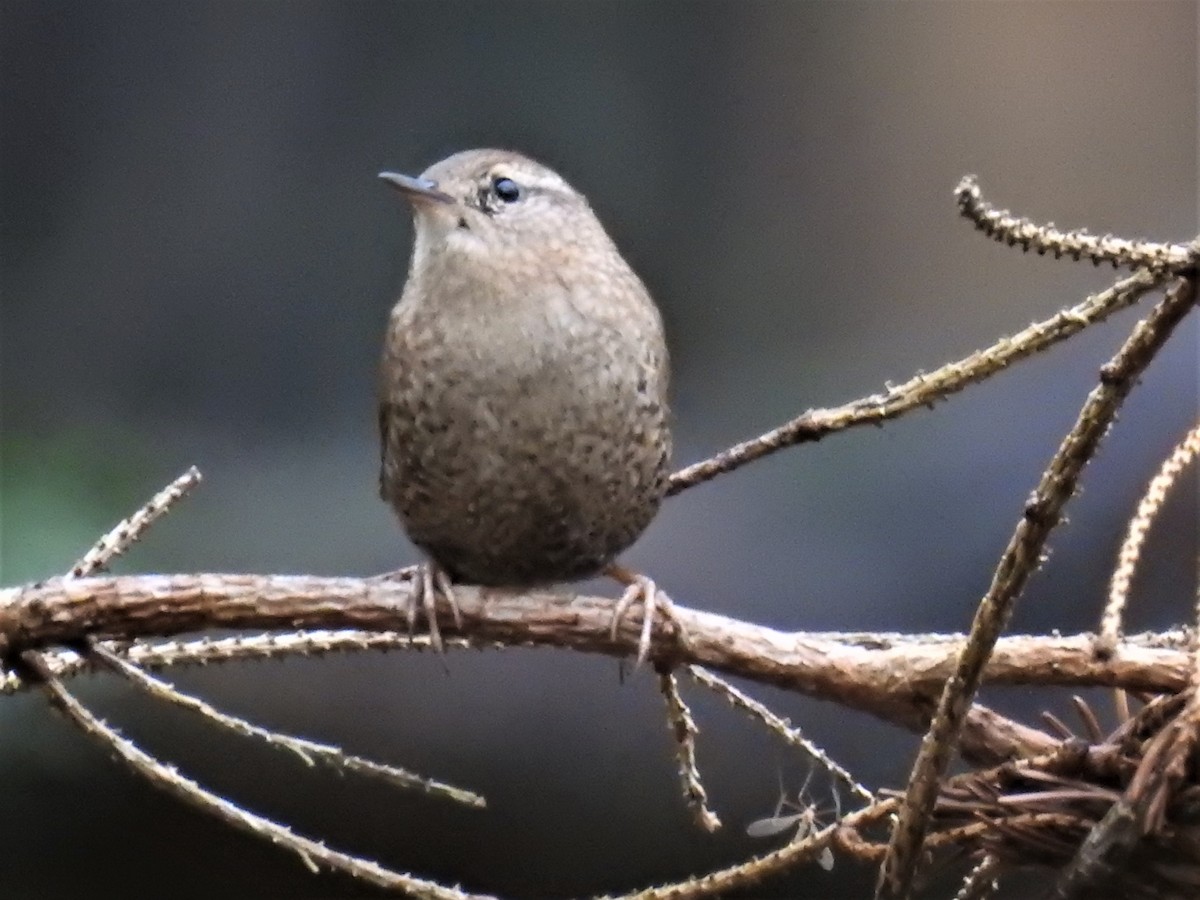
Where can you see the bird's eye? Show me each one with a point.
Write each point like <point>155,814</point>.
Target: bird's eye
<point>506,189</point>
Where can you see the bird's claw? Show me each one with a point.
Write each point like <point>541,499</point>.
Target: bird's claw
<point>430,581</point>
<point>640,589</point>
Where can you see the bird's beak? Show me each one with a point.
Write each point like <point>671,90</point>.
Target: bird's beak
<point>418,190</point>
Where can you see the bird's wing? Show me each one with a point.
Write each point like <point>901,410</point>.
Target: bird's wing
<point>386,415</point>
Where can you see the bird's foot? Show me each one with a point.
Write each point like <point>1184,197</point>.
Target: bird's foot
<point>429,581</point>
<point>640,589</point>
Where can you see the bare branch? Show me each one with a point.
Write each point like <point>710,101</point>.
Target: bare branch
<point>311,752</point>
<point>1139,526</point>
<point>128,532</point>
<point>116,542</point>
<point>312,853</point>
<point>1020,559</point>
<point>751,872</point>
<point>981,883</point>
<point>1001,225</point>
<point>922,390</point>
<point>784,729</point>
<point>163,654</point>
<point>683,729</point>
<point>853,670</point>
<point>1021,659</point>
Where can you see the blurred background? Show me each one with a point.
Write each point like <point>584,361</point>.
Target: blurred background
<point>197,263</point>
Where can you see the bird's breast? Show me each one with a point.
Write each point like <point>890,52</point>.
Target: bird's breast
<point>535,441</point>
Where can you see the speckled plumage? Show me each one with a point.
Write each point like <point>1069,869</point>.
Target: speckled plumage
<point>522,400</point>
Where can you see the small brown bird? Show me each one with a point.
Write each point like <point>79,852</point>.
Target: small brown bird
<point>522,400</point>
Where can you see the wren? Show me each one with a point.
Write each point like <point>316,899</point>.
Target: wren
<point>523,388</point>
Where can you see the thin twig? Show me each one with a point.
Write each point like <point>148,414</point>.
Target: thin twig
<point>130,530</point>
<point>1194,700</point>
<point>311,752</point>
<point>751,872</point>
<point>982,881</point>
<point>1058,726</point>
<point>203,651</point>
<point>118,541</point>
<point>1022,556</point>
<point>922,390</point>
<point>1001,225</point>
<point>781,727</point>
<point>1166,764</point>
<point>1121,705</point>
<point>313,854</point>
<point>1087,717</point>
<point>1135,537</point>
<point>683,728</point>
